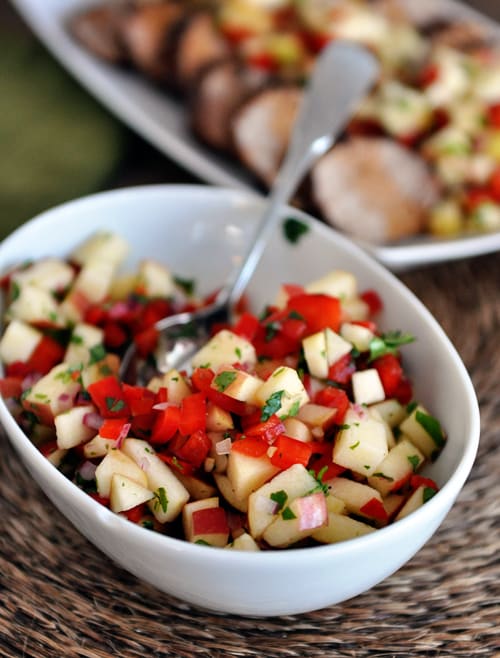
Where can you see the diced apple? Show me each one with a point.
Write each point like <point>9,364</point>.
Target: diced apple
<point>416,500</point>
<point>176,385</point>
<point>367,386</point>
<point>354,310</point>
<point>83,338</point>
<point>226,488</point>
<point>294,482</point>
<point>225,348</point>
<point>317,415</point>
<point>109,365</point>
<point>50,274</point>
<point>361,444</point>
<point>297,520</point>
<point>198,489</point>
<point>18,342</point>
<point>393,503</point>
<point>102,245</point>
<point>70,428</point>
<point>334,504</point>
<point>154,279</point>
<point>55,457</point>
<point>315,354</point>
<point>218,419</point>
<point>247,474</point>
<point>341,528</point>
<point>357,335</point>
<point>393,471</point>
<point>170,494</point>
<point>336,346</point>
<point>99,446</point>
<point>52,394</point>
<point>244,542</point>
<point>374,413</point>
<point>122,286</point>
<point>204,521</point>
<point>413,426</point>
<point>94,280</point>
<point>286,381</point>
<point>297,429</point>
<point>36,306</point>
<point>338,283</point>
<point>359,499</point>
<point>391,411</point>
<point>237,384</point>
<point>117,461</point>
<point>126,493</point>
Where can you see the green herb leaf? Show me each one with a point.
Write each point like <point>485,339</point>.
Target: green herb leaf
<point>15,291</point>
<point>202,542</point>
<point>428,493</point>
<point>225,379</point>
<point>320,485</point>
<point>114,404</point>
<point>431,426</point>
<point>76,339</point>
<point>388,343</point>
<point>295,315</point>
<point>414,461</point>
<point>272,329</point>
<point>273,403</point>
<point>287,514</point>
<point>379,474</point>
<point>280,498</point>
<point>161,499</point>
<point>294,410</point>
<point>354,446</point>
<point>188,285</point>
<point>97,353</point>
<point>294,229</point>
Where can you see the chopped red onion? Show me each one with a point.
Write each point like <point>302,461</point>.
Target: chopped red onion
<point>30,380</point>
<point>64,397</point>
<point>161,406</point>
<point>93,420</point>
<point>87,470</point>
<point>123,433</point>
<point>223,447</point>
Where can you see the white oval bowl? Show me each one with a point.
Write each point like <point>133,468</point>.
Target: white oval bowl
<point>199,232</point>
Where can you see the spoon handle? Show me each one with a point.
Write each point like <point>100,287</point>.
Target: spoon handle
<point>343,73</point>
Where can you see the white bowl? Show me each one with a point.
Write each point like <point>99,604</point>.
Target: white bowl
<point>199,231</point>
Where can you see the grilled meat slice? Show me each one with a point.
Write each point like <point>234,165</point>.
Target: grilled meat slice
<point>261,128</point>
<point>98,29</point>
<point>373,189</point>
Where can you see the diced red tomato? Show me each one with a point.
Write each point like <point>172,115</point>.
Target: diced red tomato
<point>252,447</point>
<point>494,115</point>
<point>114,335</point>
<point>475,196</point>
<point>428,75</point>
<point>135,514</point>
<point>336,398</point>
<point>290,451</point>
<point>193,414</point>
<point>114,428</point>
<point>319,311</point>
<point>154,310</point>
<point>372,298</point>
<point>342,370</point>
<point>17,369</point>
<point>95,315</point>
<point>494,185</point>
<point>46,355</point>
<point>166,425</point>
<point>107,395</point>
<point>100,499</point>
<point>195,449</point>
<point>404,391</point>
<point>390,373</point>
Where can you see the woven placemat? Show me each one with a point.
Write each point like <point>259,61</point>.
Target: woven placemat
<point>59,596</point>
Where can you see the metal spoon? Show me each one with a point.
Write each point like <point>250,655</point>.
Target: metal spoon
<point>343,73</point>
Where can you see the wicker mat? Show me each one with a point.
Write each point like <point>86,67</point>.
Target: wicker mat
<point>59,596</point>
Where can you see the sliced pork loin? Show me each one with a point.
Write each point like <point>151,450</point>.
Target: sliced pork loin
<point>373,189</point>
<point>148,34</point>
<point>198,43</point>
<point>261,129</point>
<point>218,91</point>
<point>98,29</point>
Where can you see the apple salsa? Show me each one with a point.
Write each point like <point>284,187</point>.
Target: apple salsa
<point>292,428</point>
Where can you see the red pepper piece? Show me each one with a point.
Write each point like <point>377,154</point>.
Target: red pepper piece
<point>146,341</point>
<point>417,481</point>
<point>252,447</point>
<point>404,391</point>
<point>114,335</point>
<point>11,387</point>
<point>335,398</point>
<point>114,428</point>
<point>177,464</point>
<point>372,298</point>
<point>289,452</point>
<point>95,315</point>
<point>319,311</point>
<point>390,373</point>
<point>166,425</point>
<point>139,399</point>
<point>107,395</point>
<point>193,414</point>
<point>342,370</point>
<point>247,326</point>
<point>494,115</point>
<point>46,355</point>
<point>195,449</point>
<point>266,430</point>
<point>135,514</point>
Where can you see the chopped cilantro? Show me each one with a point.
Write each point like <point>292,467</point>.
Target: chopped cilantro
<point>295,315</point>
<point>294,410</point>
<point>114,405</point>
<point>161,499</point>
<point>237,351</point>
<point>280,498</point>
<point>344,426</point>
<point>97,353</point>
<point>287,514</point>
<point>431,426</point>
<point>388,343</point>
<point>15,291</point>
<point>414,461</point>
<point>188,285</point>
<point>225,379</point>
<point>202,542</point>
<point>428,493</point>
<point>354,445</point>
<point>294,229</point>
<point>320,485</point>
<point>273,403</point>
<point>272,329</point>
<point>379,474</point>
<point>148,524</point>
<point>76,339</point>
